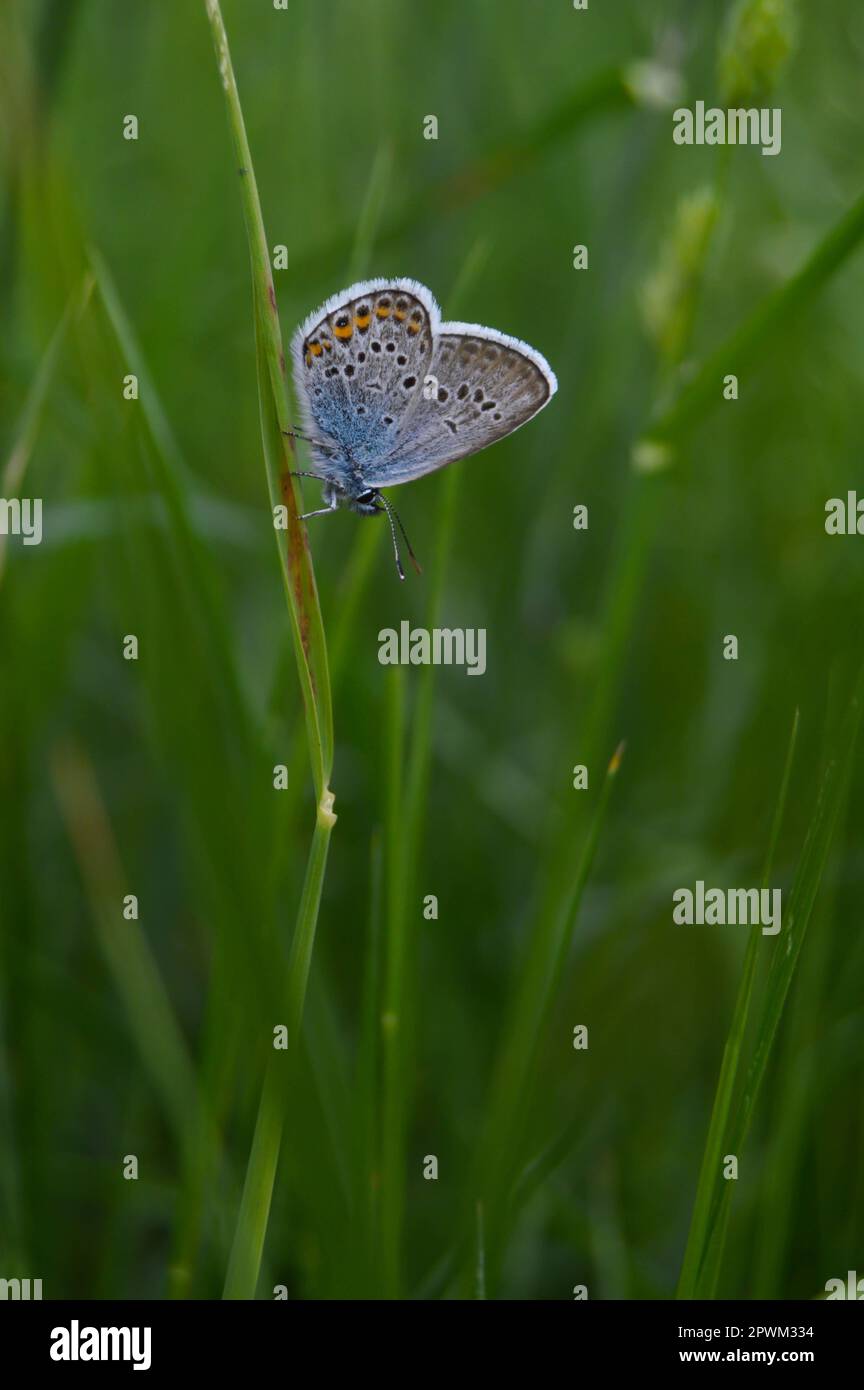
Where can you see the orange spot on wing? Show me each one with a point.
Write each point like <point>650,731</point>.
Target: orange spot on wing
<point>344,333</point>
<point>362,320</point>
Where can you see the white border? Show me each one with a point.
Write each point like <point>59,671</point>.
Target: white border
<point>493,335</point>
<point>357,291</point>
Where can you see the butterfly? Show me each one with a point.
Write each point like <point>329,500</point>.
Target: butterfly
<point>388,393</point>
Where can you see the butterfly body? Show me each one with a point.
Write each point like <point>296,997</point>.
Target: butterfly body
<point>388,392</point>
<point>352,493</point>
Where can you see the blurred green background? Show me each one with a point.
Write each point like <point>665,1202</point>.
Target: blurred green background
<point>557,1167</point>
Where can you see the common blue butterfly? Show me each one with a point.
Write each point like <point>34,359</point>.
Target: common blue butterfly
<point>388,392</point>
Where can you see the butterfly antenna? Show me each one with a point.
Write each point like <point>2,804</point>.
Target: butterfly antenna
<point>391,512</point>
<point>387,508</point>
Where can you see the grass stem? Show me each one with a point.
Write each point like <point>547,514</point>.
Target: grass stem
<point>311,655</point>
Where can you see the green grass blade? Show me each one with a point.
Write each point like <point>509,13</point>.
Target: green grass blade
<point>241,1279</point>
<point>171,476</point>
<point>702,1265</point>
<point>152,1021</point>
<point>768,320</point>
<point>299,579</point>
<point>393,1019</point>
<point>245,1261</point>
<point>711,1180</point>
<point>15,467</point>
<point>367,1104</point>
<point>311,655</point>
<point>546,957</point>
<point>406,812</point>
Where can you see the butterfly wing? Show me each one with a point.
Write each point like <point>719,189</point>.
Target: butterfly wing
<point>359,366</point>
<point>481,386</point>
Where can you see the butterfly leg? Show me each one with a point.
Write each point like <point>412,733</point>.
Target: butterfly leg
<point>331,506</point>
<point>308,439</point>
<point>320,511</point>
